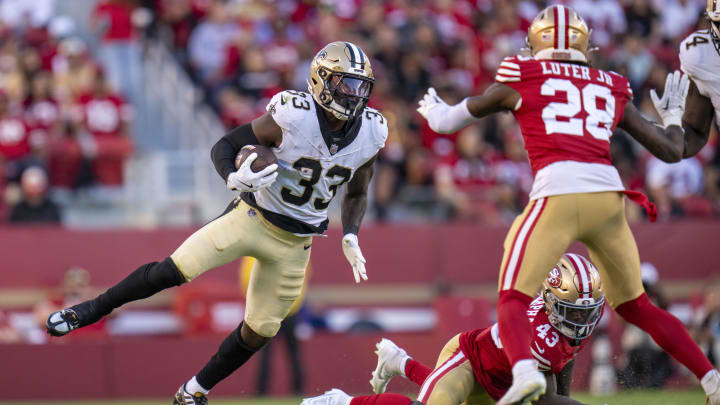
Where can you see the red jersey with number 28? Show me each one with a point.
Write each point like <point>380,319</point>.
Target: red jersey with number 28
<point>568,110</point>
<point>483,349</point>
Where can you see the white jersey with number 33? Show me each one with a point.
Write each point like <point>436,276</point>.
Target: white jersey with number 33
<point>313,166</point>
<point>700,60</point>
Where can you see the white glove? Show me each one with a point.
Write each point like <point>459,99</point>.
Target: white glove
<point>444,118</point>
<point>352,252</point>
<point>672,104</point>
<point>244,179</point>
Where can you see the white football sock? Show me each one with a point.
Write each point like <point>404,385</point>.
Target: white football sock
<point>711,381</point>
<point>194,386</point>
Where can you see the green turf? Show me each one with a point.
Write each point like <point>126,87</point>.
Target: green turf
<point>660,397</point>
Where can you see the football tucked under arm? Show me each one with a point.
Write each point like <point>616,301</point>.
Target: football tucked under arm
<point>224,152</point>
<point>261,131</point>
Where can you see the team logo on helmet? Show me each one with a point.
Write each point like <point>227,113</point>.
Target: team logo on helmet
<point>554,279</point>
<point>341,79</point>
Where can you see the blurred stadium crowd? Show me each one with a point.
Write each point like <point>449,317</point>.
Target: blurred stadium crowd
<point>56,98</point>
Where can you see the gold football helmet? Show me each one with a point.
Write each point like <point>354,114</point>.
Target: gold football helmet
<point>341,79</point>
<point>559,33</point>
<point>713,14</point>
<point>573,296</point>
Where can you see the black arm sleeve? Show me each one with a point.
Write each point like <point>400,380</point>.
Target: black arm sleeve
<point>224,151</point>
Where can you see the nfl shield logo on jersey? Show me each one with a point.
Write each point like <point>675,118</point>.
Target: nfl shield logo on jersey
<point>333,149</point>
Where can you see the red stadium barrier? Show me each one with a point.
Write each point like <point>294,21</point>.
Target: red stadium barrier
<point>396,254</point>
<point>154,366</point>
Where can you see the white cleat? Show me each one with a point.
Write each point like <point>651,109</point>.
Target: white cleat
<point>711,384</point>
<point>332,397</point>
<point>391,362</point>
<point>527,386</point>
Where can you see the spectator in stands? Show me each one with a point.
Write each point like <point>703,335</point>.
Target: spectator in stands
<point>207,47</point>
<point>73,70</point>
<point>35,207</point>
<point>20,147</point>
<point>707,323</point>
<point>41,109</point>
<point>119,50</point>
<point>464,179</point>
<point>642,18</point>
<point>673,186</point>
<point>106,116</point>
<point>678,17</point>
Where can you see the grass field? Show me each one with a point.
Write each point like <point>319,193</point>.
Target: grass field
<point>693,397</point>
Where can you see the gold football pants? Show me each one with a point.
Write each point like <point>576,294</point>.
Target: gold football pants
<point>453,382</point>
<point>277,278</point>
<point>542,233</point>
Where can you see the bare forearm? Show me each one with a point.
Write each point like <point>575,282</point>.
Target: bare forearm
<point>353,211</point>
<point>564,379</point>
<point>667,144</point>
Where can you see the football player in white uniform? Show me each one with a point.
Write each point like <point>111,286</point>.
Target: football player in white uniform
<point>322,140</point>
<point>700,60</point>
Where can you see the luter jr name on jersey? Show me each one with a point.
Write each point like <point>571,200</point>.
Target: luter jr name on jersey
<point>575,71</point>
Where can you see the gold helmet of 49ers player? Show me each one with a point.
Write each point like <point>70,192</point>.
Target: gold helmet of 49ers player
<point>559,33</point>
<point>713,14</point>
<point>573,296</point>
<point>341,79</point>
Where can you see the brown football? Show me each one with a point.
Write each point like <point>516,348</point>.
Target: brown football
<point>265,157</point>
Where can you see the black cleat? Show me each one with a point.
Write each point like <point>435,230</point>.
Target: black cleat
<point>60,323</point>
<point>183,397</point>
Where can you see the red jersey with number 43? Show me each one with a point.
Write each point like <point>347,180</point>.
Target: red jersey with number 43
<point>567,113</point>
<point>493,371</point>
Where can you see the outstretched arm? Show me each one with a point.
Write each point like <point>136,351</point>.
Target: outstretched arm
<point>667,143</point>
<point>446,119</point>
<point>552,397</point>
<point>696,120</point>
<point>353,210</point>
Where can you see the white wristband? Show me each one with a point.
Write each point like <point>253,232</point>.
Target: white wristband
<point>453,119</point>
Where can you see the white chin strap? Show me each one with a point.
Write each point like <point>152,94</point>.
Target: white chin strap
<point>561,55</point>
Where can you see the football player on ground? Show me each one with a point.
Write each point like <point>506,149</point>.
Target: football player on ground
<point>567,111</point>
<point>700,59</point>
<point>322,140</point>
<point>473,367</point>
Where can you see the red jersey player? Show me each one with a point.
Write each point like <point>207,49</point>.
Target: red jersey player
<point>567,111</point>
<point>473,367</point>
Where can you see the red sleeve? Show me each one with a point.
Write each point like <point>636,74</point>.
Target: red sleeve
<point>509,71</point>
<point>622,86</point>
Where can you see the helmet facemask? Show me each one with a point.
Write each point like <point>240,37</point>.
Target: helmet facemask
<point>344,95</point>
<point>715,34</point>
<point>574,320</point>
